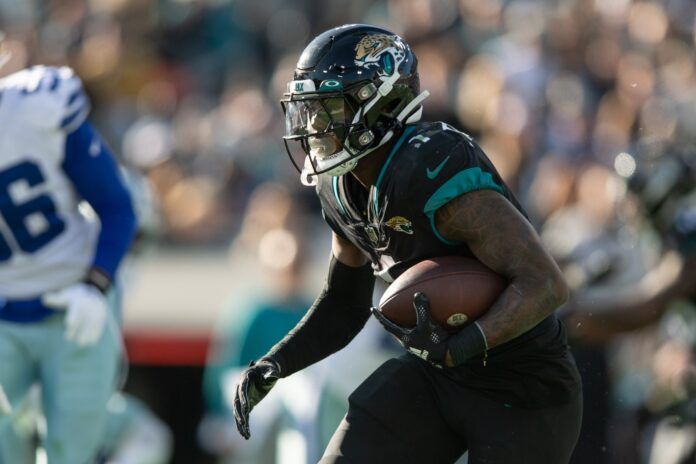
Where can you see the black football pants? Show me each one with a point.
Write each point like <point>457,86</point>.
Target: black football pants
<point>400,415</point>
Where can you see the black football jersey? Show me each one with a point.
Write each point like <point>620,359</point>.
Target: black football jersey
<point>394,224</point>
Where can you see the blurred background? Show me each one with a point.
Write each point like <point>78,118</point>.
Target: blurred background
<point>586,107</point>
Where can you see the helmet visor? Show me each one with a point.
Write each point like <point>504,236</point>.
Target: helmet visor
<point>314,116</point>
<point>317,127</point>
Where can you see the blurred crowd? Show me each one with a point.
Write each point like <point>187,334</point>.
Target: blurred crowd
<point>581,105</point>
<point>187,90</point>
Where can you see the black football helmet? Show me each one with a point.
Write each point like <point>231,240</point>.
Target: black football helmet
<point>354,87</point>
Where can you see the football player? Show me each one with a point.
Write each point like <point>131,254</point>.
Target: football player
<point>396,191</point>
<point>58,259</point>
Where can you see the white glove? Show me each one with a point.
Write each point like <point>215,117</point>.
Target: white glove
<point>86,312</point>
<point>5,407</point>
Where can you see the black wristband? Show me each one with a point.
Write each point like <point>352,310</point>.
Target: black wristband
<point>468,343</point>
<point>99,279</point>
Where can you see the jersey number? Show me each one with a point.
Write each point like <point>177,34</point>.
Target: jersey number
<point>15,215</point>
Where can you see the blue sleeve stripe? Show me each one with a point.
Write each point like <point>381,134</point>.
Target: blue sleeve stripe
<point>74,119</point>
<point>79,102</point>
<point>54,84</point>
<point>77,105</point>
<point>75,95</point>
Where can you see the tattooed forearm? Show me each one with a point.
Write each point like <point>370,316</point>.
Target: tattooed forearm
<point>516,312</point>
<point>502,239</point>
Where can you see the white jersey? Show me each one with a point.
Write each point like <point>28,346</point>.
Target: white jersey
<point>45,241</point>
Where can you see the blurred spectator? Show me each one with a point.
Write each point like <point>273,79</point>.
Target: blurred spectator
<point>134,435</point>
<point>188,88</point>
<point>618,289</point>
<point>300,420</point>
<point>254,319</point>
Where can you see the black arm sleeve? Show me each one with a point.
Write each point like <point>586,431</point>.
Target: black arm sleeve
<point>335,318</point>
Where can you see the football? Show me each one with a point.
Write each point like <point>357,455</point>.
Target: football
<point>460,290</point>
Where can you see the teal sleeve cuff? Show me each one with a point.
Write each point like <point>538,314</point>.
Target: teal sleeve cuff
<point>464,181</point>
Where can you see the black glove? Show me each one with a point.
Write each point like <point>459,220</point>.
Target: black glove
<point>427,339</point>
<point>255,383</point>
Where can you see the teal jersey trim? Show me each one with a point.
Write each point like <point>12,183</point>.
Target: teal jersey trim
<point>338,198</point>
<point>375,196</point>
<point>437,234</point>
<point>464,181</point>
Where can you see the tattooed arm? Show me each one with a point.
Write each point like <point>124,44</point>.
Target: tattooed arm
<point>502,239</point>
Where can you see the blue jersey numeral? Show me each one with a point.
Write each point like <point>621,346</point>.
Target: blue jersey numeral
<point>15,215</point>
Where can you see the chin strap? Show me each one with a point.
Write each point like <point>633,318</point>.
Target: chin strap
<point>408,108</point>
<point>415,117</point>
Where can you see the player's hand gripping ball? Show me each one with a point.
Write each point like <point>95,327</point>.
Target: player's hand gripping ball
<point>427,339</point>
<point>459,289</point>
<point>254,384</point>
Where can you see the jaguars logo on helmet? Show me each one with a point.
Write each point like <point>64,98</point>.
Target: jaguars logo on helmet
<point>381,51</point>
<point>354,87</point>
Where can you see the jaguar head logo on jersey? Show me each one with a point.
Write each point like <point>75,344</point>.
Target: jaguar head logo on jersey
<point>353,88</point>
<point>400,224</point>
